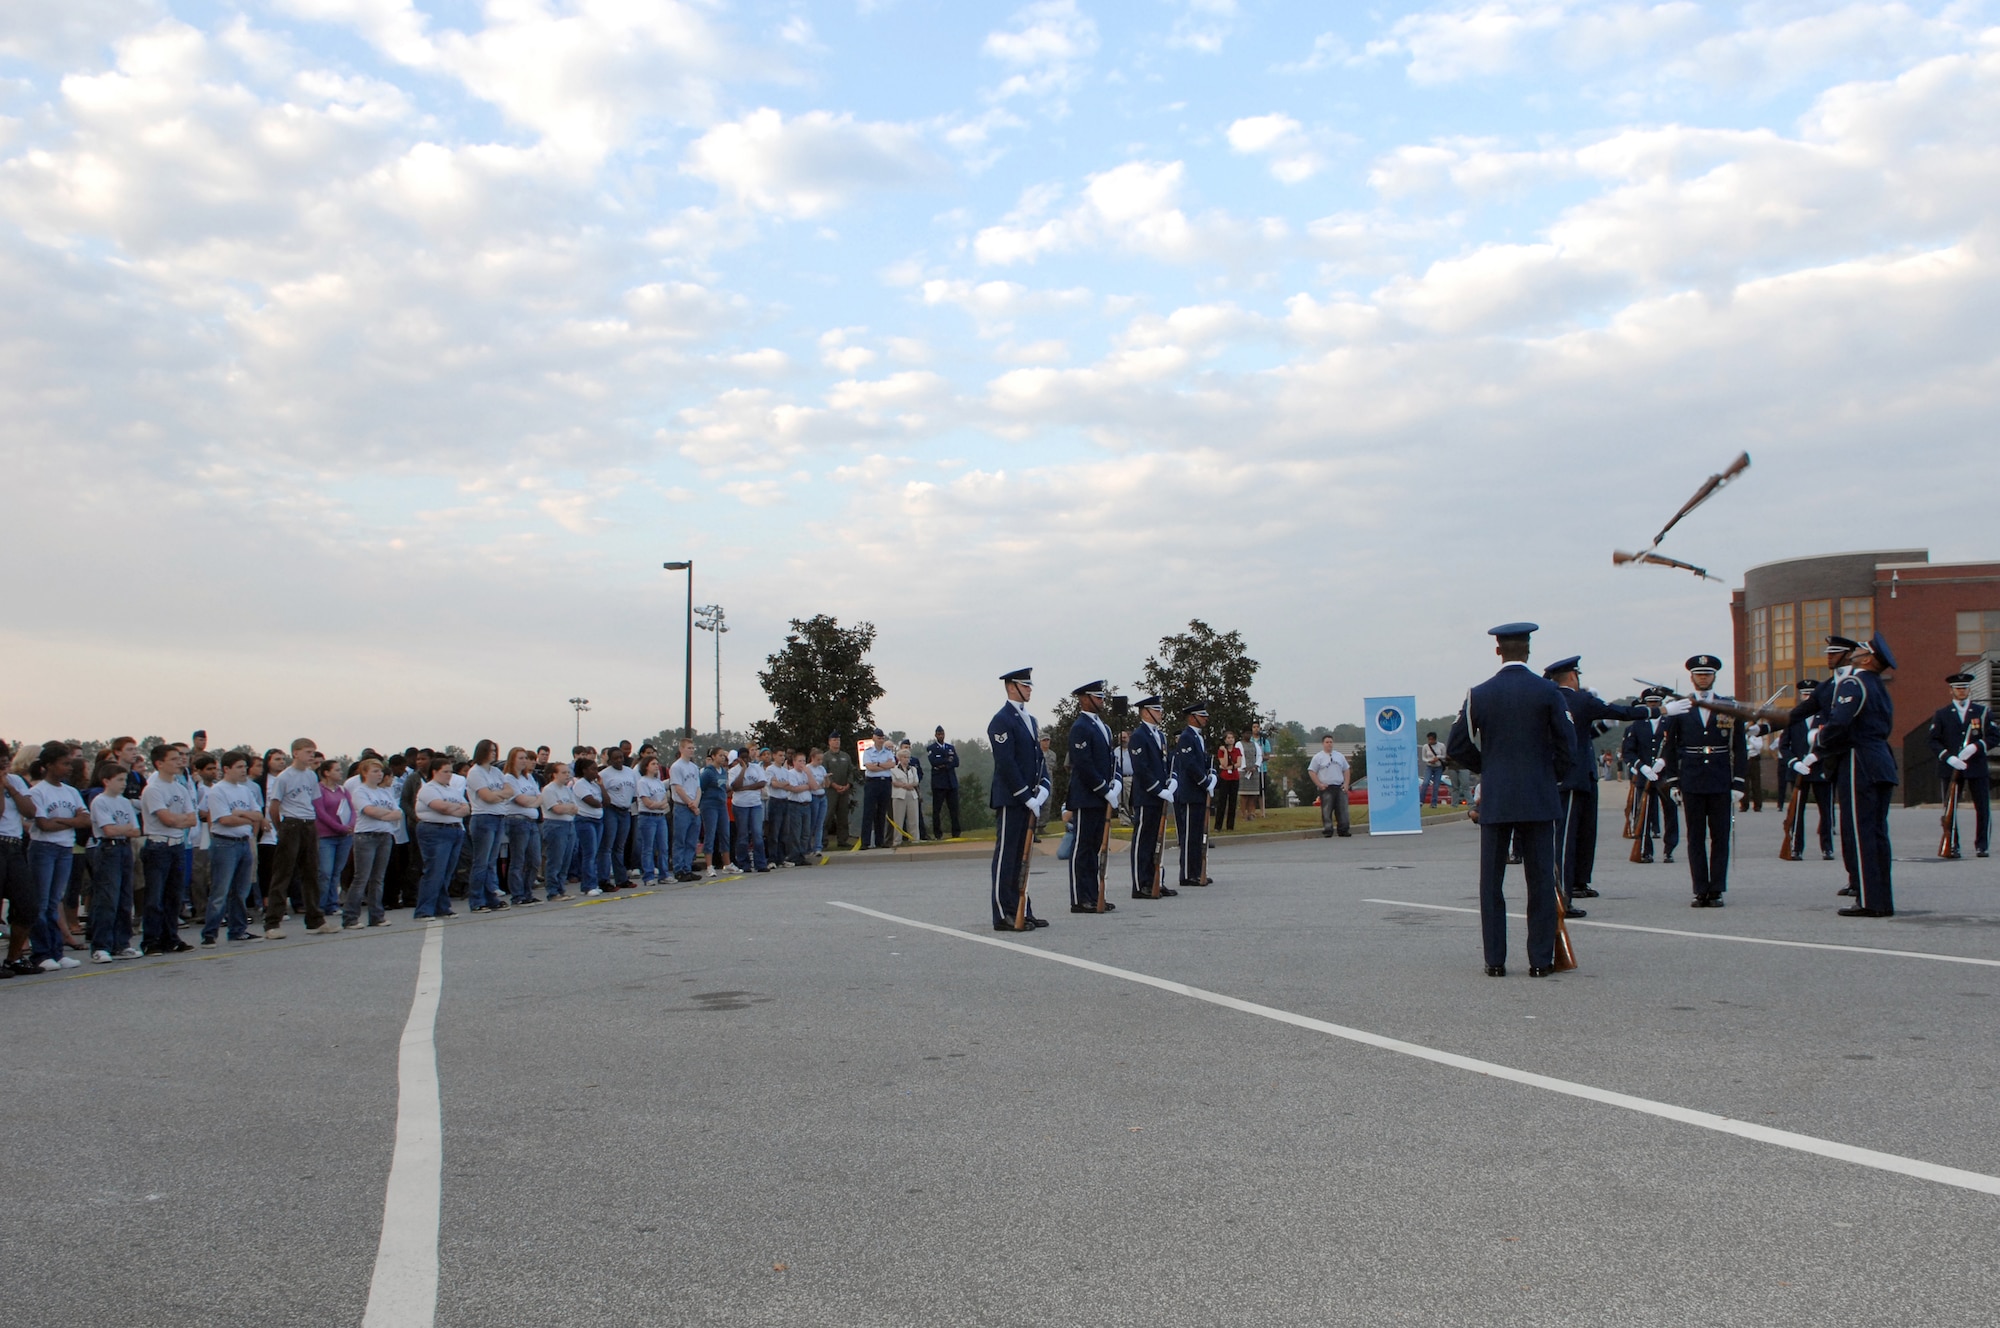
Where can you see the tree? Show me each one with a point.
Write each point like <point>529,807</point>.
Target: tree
<point>1199,665</point>
<point>819,682</point>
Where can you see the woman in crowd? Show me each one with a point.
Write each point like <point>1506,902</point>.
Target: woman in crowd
<point>649,821</point>
<point>441,817</point>
<point>589,828</point>
<point>559,810</point>
<point>524,813</point>
<point>115,824</point>
<point>377,814</point>
<point>333,815</point>
<point>816,827</point>
<point>904,795</point>
<point>59,814</point>
<point>715,810</point>
<point>1229,773</point>
<point>268,769</point>
<point>487,794</point>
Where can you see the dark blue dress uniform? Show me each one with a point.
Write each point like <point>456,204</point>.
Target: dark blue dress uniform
<point>1708,759</point>
<point>1859,722</point>
<point>1954,728</point>
<point>943,760</point>
<point>1020,786</point>
<point>1093,785</point>
<point>1812,708</point>
<point>1149,811</point>
<point>1191,778</point>
<point>1514,732</point>
<point>1576,837</point>
<point>1640,750</point>
<point>1815,784</point>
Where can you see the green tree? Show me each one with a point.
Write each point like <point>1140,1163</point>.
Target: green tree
<point>1200,665</point>
<point>819,682</point>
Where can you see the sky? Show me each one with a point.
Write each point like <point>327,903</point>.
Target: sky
<point>362,360</point>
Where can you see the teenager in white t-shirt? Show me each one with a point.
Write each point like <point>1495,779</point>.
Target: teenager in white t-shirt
<point>114,823</point>
<point>524,831</point>
<point>650,809</point>
<point>59,814</point>
<point>441,813</point>
<point>15,886</point>
<point>559,808</point>
<point>589,860</point>
<point>235,820</point>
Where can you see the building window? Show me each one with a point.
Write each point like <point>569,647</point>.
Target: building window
<point>1760,639</point>
<point>1978,632</point>
<point>1815,625</point>
<point>1857,619</point>
<point>1784,637</point>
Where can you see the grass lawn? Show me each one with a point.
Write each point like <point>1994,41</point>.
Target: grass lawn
<point>1275,820</point>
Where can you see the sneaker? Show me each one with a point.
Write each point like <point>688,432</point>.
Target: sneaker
<point>49,966</point>
<point>708,875</point>
<point>208,940</point>
<point>127,953</point>
<point>592,893</point>
<point>100,956</point>
<point>379,922</point>
<point>273,934</point>
<point>67,962</point>
<point>247,936</point>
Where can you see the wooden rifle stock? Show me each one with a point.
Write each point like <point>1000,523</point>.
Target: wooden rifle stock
<point>1021,893</point>
<point>1104,856</point>
<point>1786,853</point>
<point>1948,823</point>
<point>1640,825</point>
<point>1565,952</point>
<point>1631,797</point>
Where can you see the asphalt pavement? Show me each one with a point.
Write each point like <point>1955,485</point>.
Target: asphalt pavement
<point>738,1103</point>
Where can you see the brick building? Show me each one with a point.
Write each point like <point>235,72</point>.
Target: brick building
<point>1939,618</point>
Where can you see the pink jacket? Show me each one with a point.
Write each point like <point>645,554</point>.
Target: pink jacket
<point>328,805</point>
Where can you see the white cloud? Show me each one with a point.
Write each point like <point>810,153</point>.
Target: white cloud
<point>1202,25</point>
<point>1047,45</point>
<point>810,164</point>
<point>996,305</point>
<point>1282,140</point>
<point>1134,208</point>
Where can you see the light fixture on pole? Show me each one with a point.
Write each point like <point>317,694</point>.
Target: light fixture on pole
<point>581,704</point>
<point>711,621</point>
<point>687,698</point>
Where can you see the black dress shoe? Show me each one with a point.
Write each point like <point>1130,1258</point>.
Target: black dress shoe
<point>1584,892</point>
<point>1496,970</point>
<point>1038,922</point>
<point>1981,853</point>
<point>1168,894</point>
<point>1090,908</point>
<point>1645,857</point>
<point>1849,890</point>
<point>1539,972</point>
<point>1670,855</point>
<point>1857,912</point>
<point>1192,885</point>
<point>1006,926</point>
<point>1574,913</point>
<point>1715,901</point>
<point>178,946</point>
<point>1826,855</point>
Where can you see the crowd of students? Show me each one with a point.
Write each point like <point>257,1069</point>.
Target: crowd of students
<point>138,845</point>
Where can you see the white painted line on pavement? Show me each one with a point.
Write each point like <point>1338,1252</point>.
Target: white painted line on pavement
<point>1718,936</point>
<point>404,1292</point>
<point>1804,1143</point>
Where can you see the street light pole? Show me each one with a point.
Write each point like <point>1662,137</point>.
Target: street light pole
<point>687,698</point>
<point>580,704</point>
<point>711,620</point>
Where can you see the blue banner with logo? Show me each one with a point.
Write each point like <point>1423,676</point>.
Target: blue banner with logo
<point>1395,789</point>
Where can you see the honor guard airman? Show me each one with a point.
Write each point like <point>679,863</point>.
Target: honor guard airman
<point>1020,788</point>
<point>1514,732</point>
<point>1796,749</point>
<point>1643,764</point>
<point>1859,722</point>
<point>1707,756</point>
<point>1152,793</point>
<point>1092,798</point>
<point>1576,837</point>
<point>1189,784</point>
<point>1961,735</point>
<point>1840,654</point>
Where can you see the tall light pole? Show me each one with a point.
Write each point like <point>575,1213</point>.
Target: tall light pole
<point>687,700</point>
<point>581,704</point>
<point>711,621</point>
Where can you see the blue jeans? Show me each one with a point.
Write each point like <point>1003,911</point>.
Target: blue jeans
<point>231,870</point>
<point>816,825</point>
<point>1433,791</point>
<point>333,851</point>
<point>111,897</point>
<point>714,825</point>
<point>649,833</point>
<point>687,828</point>
<point>166,887</point>
<point>441,845</point>
<point>483,835</point>
<point>749,850</point>
<point>524,856</point>
<point>48,876</point>
<point>588,864</point>
<point>616,834</point>
<point>558,848</point>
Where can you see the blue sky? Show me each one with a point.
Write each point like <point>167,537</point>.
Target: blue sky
<point>364,358</point>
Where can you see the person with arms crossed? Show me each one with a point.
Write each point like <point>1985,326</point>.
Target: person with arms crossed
<point>115,823</point>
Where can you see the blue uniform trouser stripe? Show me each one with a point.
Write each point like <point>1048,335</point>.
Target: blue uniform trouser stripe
<point>1145,840</point>
<point>1708,839</point>
<point>1009,845</point>
<point>1850,852</point>
<point>1191,825</point>
<point>1871,828</point>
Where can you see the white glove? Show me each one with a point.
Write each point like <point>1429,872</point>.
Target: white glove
<point>1657,768</point>
<point>1111,794</point>
<point>1676,792</point>
<point>1955,762</point>
<point>1035,803</point>
<point>1210,785</point>
<point>1680,705</point>
<point>1811,759</point>
<point>1802,767</point>
<point>1967,752</point>
<point>1167,791</point>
